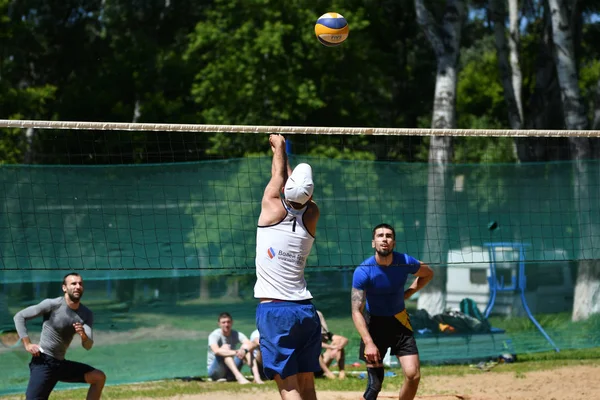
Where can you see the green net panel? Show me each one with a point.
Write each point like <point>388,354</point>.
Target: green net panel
<point>163,249</point>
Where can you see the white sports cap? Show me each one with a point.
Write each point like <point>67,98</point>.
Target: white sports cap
<point>299,186</point>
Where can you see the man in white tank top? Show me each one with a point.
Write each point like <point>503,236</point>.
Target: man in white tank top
<point>290,329</point>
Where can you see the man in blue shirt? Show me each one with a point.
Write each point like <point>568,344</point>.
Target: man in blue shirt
<point>378,283</point>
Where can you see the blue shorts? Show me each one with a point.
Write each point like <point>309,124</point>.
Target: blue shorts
<point>46,371</point>
<point>290,337</point>
<point>218,369</point>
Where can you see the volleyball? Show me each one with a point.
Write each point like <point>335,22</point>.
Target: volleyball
<point>331,29</point>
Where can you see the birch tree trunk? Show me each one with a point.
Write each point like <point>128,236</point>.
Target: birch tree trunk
<point>566,69</point>
<point>125,288</point>
<point>586,300</point>
<point>514,41</point>
<point>508,59</point>
<point>445,41</point>
<point>29,137</point>
<point>204,288</point>
<point>587,288</point>
<point>233,288</point>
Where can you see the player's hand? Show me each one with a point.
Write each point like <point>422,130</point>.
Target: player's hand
<point>372,354</point>
<point>276,141</point>
<point>240,354</point>
<point>33,349</point>
<point>79,329</point>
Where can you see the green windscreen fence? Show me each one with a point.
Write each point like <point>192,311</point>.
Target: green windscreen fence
<point>163,249</point>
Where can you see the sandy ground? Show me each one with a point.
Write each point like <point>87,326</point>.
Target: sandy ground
<point>567,383</point>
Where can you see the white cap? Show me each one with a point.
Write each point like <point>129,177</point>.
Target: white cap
<point>299,186</point>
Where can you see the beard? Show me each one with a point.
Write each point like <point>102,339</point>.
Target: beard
<point>73,297</point>
<point>384,253</point>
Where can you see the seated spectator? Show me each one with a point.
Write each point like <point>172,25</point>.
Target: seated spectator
<point>334,350</point>
<point>257,365</point>
<point>228,350</point>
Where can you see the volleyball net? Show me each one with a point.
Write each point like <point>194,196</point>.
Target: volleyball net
<point>160,220</point>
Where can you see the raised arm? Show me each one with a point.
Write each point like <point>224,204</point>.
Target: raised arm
<point>280,168</point>
<point>423,276</point>
<point>271,209</point>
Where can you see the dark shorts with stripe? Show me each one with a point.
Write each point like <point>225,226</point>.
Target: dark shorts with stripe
<point>47,371</point>
<point>389,333</point>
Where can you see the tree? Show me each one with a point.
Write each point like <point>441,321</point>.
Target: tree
<point>508,58</point>
<point>544,109</point>
<point>596,123</point>
<point>445,41</point>
<point>587,288</point>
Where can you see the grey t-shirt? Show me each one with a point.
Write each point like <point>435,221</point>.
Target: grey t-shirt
<point>235,340</point>
<point>57,328</point>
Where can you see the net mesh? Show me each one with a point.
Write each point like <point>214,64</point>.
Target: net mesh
<point>164,248</point>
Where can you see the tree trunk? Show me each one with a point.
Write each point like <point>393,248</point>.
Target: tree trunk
<point>510,71</point>
<point>586,300</point>
<point>29,136</point>
<point>204,288</point>
<point>587,288</point>
<point>545,104</point>
<point>433,297</point>
<point>514,41</point>
<point>6,317</point>
<point>596,123</point>
<point>126,287</point>
<point>445,41</point>
<point>233,288</point>
<point>566,69</point>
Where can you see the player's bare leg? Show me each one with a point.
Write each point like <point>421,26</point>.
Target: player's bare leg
<point>306,382</point>
<point>253,362</point>
<point>288,387</point>
<point>411,367</point>
<point>341,362</point>
<point>324,362</point>
<point>340,342</point>
<point>96,379</point>
<point>235,371</point>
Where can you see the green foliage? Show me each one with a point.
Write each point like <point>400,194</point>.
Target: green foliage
<point>237,62</point>
<point>589,79</point>
<point>471,150</point>
<point>480,97</point>
<point>331,152</point>
<point>11,150</point>
<point>20,103</point>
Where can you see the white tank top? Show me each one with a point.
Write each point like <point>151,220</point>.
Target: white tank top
<point>281,253</point>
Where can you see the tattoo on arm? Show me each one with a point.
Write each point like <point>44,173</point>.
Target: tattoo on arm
<point>358,299</point>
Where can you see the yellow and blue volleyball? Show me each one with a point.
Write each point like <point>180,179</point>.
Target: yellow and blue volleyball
<point>331,29</point>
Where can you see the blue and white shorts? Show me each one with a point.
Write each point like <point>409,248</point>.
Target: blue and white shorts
<point>290,337</point>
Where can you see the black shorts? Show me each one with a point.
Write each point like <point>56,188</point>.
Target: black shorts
<point>389,333</point>
<point>46,371</point>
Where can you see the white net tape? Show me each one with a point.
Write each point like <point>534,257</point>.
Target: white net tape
<point>296,130</point>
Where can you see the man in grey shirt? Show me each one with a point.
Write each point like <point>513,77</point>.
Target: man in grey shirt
<point>228,350</point>
<point>63,317</point>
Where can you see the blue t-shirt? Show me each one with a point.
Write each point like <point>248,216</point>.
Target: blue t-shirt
<point>384,286</point>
